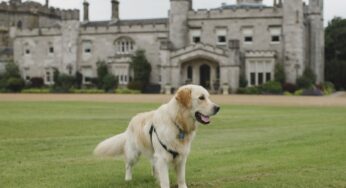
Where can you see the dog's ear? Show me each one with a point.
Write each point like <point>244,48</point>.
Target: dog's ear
<point>183,96</point>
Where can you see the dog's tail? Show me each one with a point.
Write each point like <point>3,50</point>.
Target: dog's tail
<point>112,146</point>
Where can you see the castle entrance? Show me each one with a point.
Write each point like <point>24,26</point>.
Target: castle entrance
<point>204,73</point>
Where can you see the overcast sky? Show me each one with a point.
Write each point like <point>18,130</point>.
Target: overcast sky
<point>130,9</point>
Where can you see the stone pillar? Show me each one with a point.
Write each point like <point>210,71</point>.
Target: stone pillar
<point>316,39</point>
<point>115,9</point>
<point>294,45</point>
<point>86,11</point>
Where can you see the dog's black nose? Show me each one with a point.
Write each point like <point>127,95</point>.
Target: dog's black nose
<point>216,109</point>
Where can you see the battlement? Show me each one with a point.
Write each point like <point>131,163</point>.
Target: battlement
<point>36,8</point>
<point>239,12</point>
<point>130,26</point>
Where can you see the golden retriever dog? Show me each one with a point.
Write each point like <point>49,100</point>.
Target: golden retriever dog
<point>164,135</point>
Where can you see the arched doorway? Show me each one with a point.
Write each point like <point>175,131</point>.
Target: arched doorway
<point>204,71</point>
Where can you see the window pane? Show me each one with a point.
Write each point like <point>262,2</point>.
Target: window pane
<point>196,39</point>
<point>260,78</point>
<point>275,38</point>
<point>248,39</point>
<point>222,39</point>
<point>253,78</point>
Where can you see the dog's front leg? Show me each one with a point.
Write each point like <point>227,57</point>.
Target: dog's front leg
<point>162,171</point>
<point>180,170</point>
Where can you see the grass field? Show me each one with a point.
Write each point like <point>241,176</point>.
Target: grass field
<point>49,144</point>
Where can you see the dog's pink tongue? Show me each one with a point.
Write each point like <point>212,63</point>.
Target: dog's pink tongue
<point>205,118</point>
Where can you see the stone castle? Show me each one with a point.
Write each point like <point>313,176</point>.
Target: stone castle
<point>212,48</point>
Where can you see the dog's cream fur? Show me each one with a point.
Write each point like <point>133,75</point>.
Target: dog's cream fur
<point>179,111</point>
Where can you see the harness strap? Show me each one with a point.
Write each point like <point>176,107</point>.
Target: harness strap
<point>172,152</point>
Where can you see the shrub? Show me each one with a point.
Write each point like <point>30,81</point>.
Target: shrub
<point>304,82</point>
<point>63,83</point>
<point>109,83</point>
<point>36,90</point>
<point>289,87</point>
<point>271,87</point>
<point>14,84</point>
<point>127,91</point>
<point>309,74</point>
<point>87,91</point>
<point>298,92</point>
<point>135,85</point>
<point>79,79</point>
<point>36,82</point>
<point>280,75</point>
<point>152,88</point>
<point>249,91</point>
<point>242,81</point>
<point>328,88</point>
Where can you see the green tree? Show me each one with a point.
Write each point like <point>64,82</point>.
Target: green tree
<point>141,69</point>
<point>335,52</point>
<point>280,75</point>
<point>11,80</point>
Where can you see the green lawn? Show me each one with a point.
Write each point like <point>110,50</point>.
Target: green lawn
<point>49,144</point>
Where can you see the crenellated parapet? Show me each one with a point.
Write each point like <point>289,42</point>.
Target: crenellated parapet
<point>260,12</point>
<point>35,8</point>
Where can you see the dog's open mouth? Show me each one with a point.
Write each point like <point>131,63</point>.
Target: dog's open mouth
<point>202,118</point>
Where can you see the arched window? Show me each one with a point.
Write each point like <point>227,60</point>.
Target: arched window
<point>124,45</point>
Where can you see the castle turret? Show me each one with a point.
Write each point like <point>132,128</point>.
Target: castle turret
<point>86,11</point>
<point>293,32</point>
<point>115,9</point>
<point>316,38</point>
<point>178,29</point>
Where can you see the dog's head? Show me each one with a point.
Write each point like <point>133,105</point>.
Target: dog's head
<point>195,99</point>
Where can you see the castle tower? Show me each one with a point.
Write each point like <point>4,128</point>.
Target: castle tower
<point>115,9</point>
<point>178,29</point>
<point>249,1</point>
<point>294,45</point>
<point>86,11</point>
<point>316,39</point>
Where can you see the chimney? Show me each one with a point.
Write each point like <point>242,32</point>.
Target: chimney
<point>47,3</point>
<point>86,11</point>
<point>115,9</point>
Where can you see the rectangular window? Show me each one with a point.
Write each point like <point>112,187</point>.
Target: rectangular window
<point>248,35</point>
<point>260,78</point>
<point>221,34</point>
<point>248,39</point>
<point>51,50</point>
<point>196,39</point>
<point>48,77</point>
<point>87,47</point>
<point>195,35</point>
<point>268,76</point>
<point>27,51</point>
<point>275,33</point>
<point>253,78</point>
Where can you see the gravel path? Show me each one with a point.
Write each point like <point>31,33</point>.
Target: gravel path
<point>220,99</point>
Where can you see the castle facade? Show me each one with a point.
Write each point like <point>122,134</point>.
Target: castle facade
<point>212,48</point>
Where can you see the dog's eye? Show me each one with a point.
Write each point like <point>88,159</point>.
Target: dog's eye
<point>202,98</point>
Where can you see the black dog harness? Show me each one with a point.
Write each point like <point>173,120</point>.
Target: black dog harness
<point>172,152</point>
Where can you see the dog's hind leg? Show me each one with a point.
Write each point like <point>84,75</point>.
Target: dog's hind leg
<point>131,157</point>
